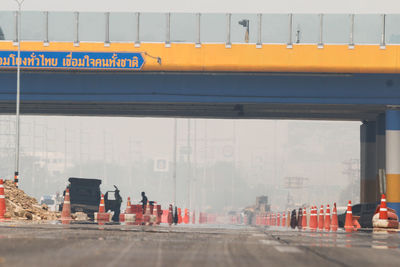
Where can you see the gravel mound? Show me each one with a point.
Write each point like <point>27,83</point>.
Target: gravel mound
<point>22,206</point>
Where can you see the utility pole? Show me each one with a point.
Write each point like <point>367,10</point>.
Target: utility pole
<point>188,167</point>
<point>234,165</point>
<point>17,123</point>
<point>174,159</point>
<point>194,186</point>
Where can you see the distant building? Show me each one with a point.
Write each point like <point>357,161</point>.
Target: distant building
<point>2,34</point>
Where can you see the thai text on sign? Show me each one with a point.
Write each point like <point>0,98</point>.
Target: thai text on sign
<point>73,60</point>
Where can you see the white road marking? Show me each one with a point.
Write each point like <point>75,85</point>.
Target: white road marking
<point>287,249</point>
<point>269,242</point>
<point>258,235</point>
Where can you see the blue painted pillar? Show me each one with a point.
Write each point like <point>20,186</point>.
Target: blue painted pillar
<point>393,159</point>
<point>368,162</point>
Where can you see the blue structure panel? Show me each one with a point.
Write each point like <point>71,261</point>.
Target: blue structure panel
<point>393,119</point>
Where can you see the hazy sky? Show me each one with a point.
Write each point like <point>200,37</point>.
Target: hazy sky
<point>234,6</point>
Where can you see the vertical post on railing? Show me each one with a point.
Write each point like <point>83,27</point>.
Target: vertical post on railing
<point>137,41</point>
<point>107,29</point>
<point>168,31</point>
<point>76,27</point>
<point>198,27</point>
<point>321,31</point>
<point>290,42</point>
<point>259,38</point>
<point>383,36</point>
<point>46,28</point>
<point>351,43</point>
<point>228,43</point>
<point>16,27</point>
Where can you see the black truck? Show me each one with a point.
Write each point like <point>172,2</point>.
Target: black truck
<point>85,196</point>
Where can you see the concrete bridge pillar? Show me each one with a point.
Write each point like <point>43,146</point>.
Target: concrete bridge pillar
<point>368,162</point>
<point>380,149</point>
<point>393,159</point>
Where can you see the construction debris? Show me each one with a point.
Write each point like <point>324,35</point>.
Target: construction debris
<point>22,206</point>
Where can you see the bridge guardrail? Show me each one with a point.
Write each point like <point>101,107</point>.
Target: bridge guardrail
<point>203,28</point>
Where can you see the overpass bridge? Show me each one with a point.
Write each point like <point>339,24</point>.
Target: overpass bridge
<point>289,66</point>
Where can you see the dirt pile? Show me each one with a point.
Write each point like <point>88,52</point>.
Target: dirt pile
<point>21,206</point>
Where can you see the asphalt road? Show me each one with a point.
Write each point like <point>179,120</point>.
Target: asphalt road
<point>119,245</point>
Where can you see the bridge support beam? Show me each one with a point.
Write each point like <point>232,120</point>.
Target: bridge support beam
<point>393,159</point>
<point>368,162</point>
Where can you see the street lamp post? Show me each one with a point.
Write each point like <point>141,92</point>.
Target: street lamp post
<point>17,123</point>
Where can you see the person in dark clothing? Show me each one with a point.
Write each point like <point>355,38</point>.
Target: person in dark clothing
<point>117,207</point>
<point>293,220</point>
<point>176,216</point>
<point>300,218</point>
<point>144,201</point>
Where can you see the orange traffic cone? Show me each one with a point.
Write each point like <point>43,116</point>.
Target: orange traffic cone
<point>348,225</point>
<point>128,209</point>
<point>383,212</point>
<point>186,217</point>
<point>327,219</point>
<point>321,218</point>
<point>334,221</point>
<point>313,218</point>
<point>147,214</point>
<point>66,210</point>
<point>2,200</point>
<point>278,219</point>
<point>102,208</point>
<point>283,219</point>
<point>179,215</point>
<point>304,219</point>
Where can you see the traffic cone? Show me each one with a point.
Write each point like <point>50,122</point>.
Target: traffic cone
<point>66,210</point>
<point>283,219</point>
<point>313,218</point>
<point>278,219</point>
<point>170,216</point>
<point>102,208</point>
<point>334,221</point>
<point>186,217</point>
<point>304,219</point>
<point>128,209</point>
<point>155,213</point>
<point>194,217</point>
<point>348,225</point>
<point>147,214</point>
<point>383,212</point>
<point>327,219</point>
<point>2,200</point>
<point>321,218</point>
<point>179,215</point>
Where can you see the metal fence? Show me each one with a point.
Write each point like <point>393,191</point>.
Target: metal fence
<point>203,28</point>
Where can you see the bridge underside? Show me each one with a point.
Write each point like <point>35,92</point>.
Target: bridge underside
<point>198,110</point>
<point>210,95</point>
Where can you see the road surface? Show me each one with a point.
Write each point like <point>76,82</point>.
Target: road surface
<point>120,245</point>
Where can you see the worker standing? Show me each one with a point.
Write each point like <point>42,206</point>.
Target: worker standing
<point>144,201</point>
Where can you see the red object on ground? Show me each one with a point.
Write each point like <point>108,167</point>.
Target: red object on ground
<point>2,200</point>
<point>66,210</point>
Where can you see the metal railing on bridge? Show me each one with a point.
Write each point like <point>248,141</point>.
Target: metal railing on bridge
<point>351,29</point>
